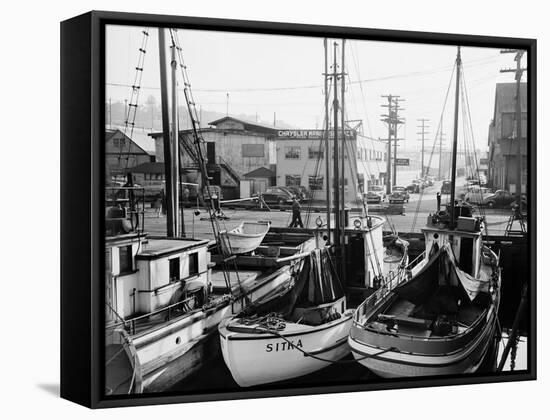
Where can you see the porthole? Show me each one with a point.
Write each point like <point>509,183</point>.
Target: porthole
<point>436,235</point>
<point>178,340</point>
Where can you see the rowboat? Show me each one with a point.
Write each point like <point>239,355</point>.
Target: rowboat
<point>293,333</point>
<point>246,237</point>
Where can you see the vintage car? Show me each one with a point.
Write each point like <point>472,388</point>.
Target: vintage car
<point>277,195</point>
<point>399,195</point>
<point>375,194</point>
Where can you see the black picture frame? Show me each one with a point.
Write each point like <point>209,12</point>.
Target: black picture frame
<point>82,200</point>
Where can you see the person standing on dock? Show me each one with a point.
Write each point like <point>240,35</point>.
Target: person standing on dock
<point>296,214</point>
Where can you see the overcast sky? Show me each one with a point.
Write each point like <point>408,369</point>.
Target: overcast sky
<point>264,74</point>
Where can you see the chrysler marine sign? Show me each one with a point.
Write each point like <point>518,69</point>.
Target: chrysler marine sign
<point>310,134</point>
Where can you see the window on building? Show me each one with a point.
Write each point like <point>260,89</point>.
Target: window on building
<point>293,180</point>
<point>253,150</point>
<point>193,263</point>
<point>292,152</point>
<point>125,259</point>
<point>315,183</point>
<point>316,153</point>
<point>120,143</point>
<point>174,269</point>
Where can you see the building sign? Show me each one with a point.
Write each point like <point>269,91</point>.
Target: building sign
<point>401,162</point>
<point>483,161</point>
<point>310,134</point>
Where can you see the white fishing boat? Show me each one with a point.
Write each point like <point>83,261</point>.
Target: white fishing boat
<point>305,328</point>
<point>247,236</point>
<point>442,319</point>
<point>296,332</point>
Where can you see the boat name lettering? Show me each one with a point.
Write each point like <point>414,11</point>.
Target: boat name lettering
<point>285,345</point>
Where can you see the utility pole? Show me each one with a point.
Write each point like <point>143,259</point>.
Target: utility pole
<point>392,120</point>
<point>518,73</point>
<point>423,132</point>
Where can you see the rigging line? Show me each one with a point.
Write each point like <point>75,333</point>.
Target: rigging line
<point>440,124</point>
<point>317,164</point>
<point>476,162</point>
<point>223,248</point>
<point>366,169</point>
<point>134,97</point>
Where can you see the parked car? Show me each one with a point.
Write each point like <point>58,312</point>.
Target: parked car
<point>372,197</point>
<point>299,191</point>
<point>277,195</point>
<point>399,191</point>
<point>413,188</point>
<point>396,197</point>
<point>446,187</point>
<point>476,194</point>
<point>500,198</point>
<point>376,190</point>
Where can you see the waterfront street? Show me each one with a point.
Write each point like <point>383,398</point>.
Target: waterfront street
<point>412,220</point>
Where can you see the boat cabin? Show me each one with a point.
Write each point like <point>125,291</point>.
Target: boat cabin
<point>144,275</point>
<point>465,241</point>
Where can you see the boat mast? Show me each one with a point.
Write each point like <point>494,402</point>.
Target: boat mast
<point>174,150</point>
<point>455,139</point>
<point>327,143</point>
<point>336,169</point>
<point>342,218</point>
<point>166,136</point>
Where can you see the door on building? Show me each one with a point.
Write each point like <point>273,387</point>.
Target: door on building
<point>211,152</point>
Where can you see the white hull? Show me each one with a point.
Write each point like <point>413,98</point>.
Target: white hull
<point>247,237</point>
<point>255,359</point>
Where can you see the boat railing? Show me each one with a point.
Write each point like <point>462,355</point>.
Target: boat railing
<point>161,315</point>
<point>414,262</point>
<point>394,279</point>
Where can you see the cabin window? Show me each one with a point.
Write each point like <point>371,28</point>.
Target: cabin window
<point>193,263</point>
<point>174,269</point>
<point>125,259</point>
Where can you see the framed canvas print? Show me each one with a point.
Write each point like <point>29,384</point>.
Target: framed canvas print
<point>255,209</point>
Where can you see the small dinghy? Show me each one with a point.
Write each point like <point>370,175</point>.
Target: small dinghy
<point>246,237</point>
<point>298,331</point>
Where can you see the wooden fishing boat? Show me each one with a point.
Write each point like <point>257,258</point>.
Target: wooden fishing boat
<point>247,236</point>
<point>292,333</point>
<point>442,318</point>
